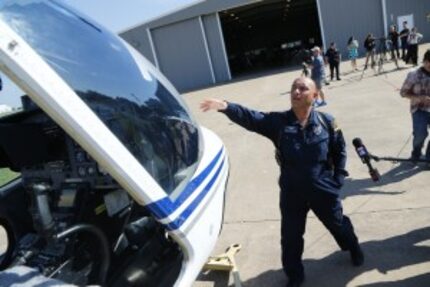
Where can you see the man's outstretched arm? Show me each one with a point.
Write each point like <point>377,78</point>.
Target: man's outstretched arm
<point>251,120</point>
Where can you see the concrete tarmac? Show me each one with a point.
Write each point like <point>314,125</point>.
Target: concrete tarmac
<point>391,217</point>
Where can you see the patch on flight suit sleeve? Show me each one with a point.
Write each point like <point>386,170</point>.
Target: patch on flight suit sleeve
<point>335,126</point>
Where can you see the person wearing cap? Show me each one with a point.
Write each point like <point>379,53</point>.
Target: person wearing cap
<point>416,88</point>
<point>310,150</point>
<point>318,75</point>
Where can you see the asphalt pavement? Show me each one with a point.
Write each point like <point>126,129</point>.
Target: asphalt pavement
<point>391,217</point>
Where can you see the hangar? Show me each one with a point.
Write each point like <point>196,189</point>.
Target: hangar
<point>215,41</point>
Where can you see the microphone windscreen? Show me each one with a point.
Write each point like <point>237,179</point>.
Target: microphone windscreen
<point>357,142</point>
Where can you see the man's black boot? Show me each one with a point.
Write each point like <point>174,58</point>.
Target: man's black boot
<point>357,255</point>
<point>295,281</point>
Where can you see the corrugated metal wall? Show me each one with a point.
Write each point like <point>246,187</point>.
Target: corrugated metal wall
<point>344,18</point>
<point>419,8</point>
<point>181,54</point>
<point>216,45</point>
<point>182,46</point>
<point>190,53</point>
<point>204,8</point>
<point>139,39</point>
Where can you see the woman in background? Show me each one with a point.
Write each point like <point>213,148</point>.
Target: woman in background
<point>353,52</point>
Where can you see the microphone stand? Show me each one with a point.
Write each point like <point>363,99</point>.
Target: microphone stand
<point>397,159</point>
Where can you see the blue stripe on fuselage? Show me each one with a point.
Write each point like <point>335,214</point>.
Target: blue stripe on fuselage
<point>164,207</point>
<point>187,212</point>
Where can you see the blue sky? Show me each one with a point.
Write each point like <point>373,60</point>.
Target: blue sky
<point>120,15</point>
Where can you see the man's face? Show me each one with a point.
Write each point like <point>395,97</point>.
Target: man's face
<point>303,93</point>
<point>426,65</point>
<point>405,25</point>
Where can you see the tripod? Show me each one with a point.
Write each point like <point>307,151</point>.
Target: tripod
<point>381,54</point>
<point>385,45</point>
<point>392,49</point>
<point>378,56</point>
<point>370,54</point>
<point>397,159</point>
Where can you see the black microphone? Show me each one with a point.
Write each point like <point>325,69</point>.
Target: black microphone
<point>365,158</point>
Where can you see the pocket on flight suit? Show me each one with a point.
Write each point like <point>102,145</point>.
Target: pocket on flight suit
<point>318,152</point>
<point>318,146</point>
<point>329,180</point>
<point>327,184</point>
<point>289,148</point>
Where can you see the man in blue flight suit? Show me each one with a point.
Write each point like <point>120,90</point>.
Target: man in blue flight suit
<point>311,154</point>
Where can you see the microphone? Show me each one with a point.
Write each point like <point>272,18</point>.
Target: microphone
<point>365,158</point>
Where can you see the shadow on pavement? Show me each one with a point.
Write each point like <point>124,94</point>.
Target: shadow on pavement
<point>219,278</point>
<point>363,186</point>
<point>270,278</point>
<point>418,281</point>
<point>335,270</point>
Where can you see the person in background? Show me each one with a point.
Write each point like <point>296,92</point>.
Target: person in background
<point>393,37</point>
<point>333,59</point>
<point>353,52</point>
<point>370,45</point>
<point>413,39</point>
<point>311,156</point>
<point>318,75</point>
<point>404,39</point>
<point>326,82</point>
<point>416,88</point>
<point>306,62</point>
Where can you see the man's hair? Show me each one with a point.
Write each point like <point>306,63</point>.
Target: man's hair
<point>427,55</point>
<point>405,22</point>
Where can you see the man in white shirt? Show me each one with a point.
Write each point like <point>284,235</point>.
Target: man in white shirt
<point>413,39</point>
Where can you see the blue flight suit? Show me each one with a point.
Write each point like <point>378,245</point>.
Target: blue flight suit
<point>312,161</point>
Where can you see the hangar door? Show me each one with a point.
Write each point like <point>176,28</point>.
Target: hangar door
<point>182,54</point>
<point>269,34</point>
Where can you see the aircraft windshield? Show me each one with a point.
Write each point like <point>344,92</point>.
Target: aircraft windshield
<point>148,119</point>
